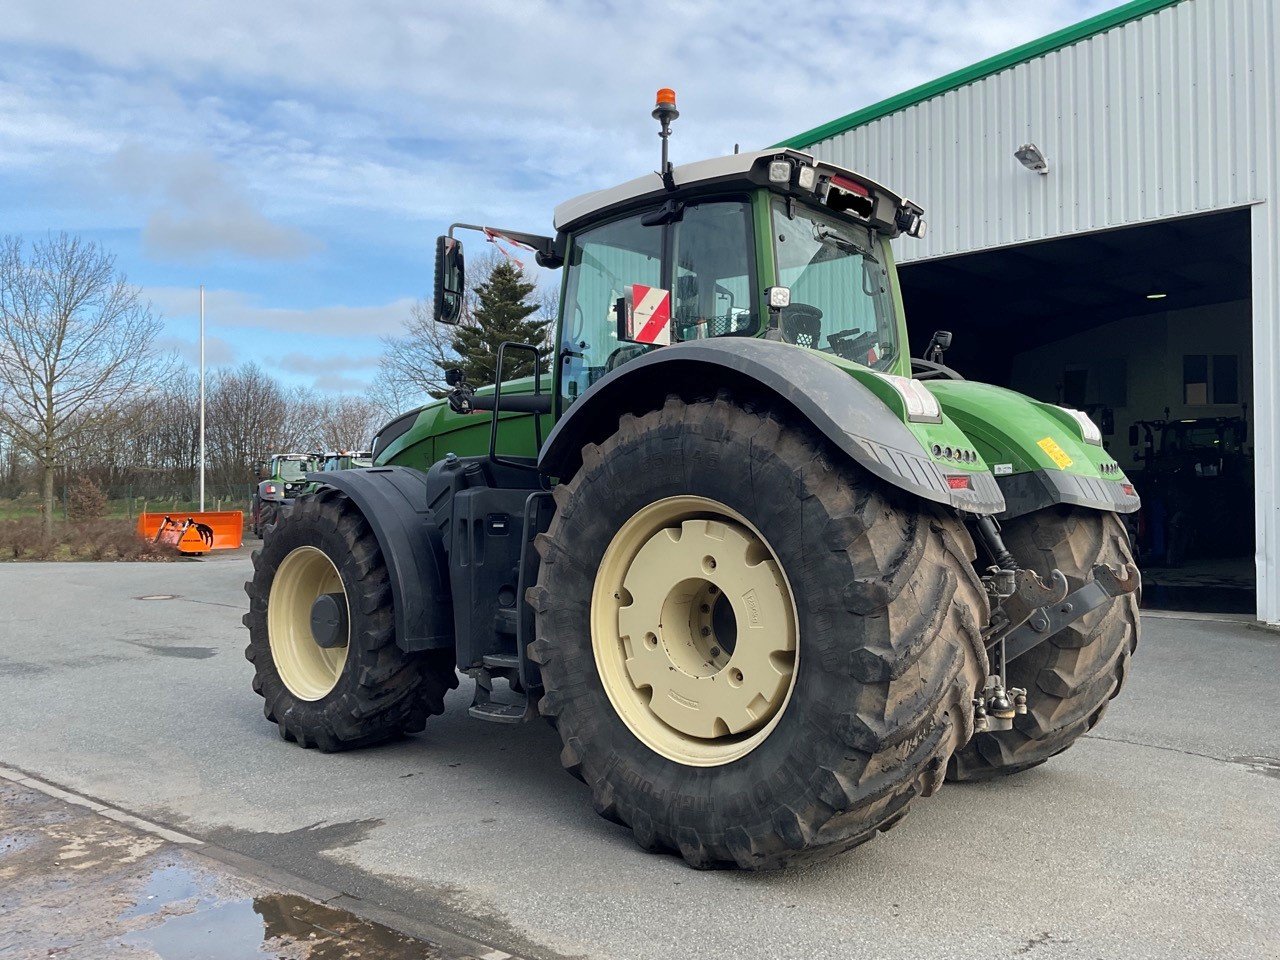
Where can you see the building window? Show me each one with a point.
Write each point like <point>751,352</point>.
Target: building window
<point>1226,379</point>
<point>1210,379</point>
<point>1075,387</point>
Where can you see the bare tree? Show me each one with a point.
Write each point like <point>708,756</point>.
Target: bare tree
<point>413,363</point>
<point>420,355</point>
<point>248,418</point>
<point>392,394</point>
<point>76,342</point>
<point>347,422</point>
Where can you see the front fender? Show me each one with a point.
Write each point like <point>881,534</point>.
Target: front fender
<point>843,410</point>
<point>394,503</point>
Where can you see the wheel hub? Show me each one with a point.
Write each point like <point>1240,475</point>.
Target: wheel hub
<point>694,631</point>
<point>329,620</point>
<point>308,623</point>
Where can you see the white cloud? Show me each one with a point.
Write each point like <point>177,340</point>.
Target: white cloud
<point>342,383</point>
<point>197,209</point>
<point>321,365</point>
<point>490,108</point>
<point>217,351</point>
<point>233,308</point>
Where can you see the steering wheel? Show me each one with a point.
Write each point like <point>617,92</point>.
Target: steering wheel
<point>628,351</point>
<point>928,370</point>
<point>801,324</point>
<point>853,344</point>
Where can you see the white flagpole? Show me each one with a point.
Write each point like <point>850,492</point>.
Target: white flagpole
<point>202,398</point>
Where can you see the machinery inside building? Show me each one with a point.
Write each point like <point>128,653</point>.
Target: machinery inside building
<point>1148,329</point>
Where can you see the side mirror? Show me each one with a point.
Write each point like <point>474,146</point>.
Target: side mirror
<point>263,472</point>
<point>1133,434</point>
<point>450,281</point>
<point>939,344</point>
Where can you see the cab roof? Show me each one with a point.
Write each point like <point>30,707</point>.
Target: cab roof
<point>751,169</point>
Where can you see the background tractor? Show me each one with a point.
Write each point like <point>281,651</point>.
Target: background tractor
<point>1197,488</point>
<point>770,578</point>
<point>347,459</point>
<point>280,480</point>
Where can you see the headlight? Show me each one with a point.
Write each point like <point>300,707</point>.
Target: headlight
<point>780,171</point>
<point>1090,429</point>
<point>807,178</point>
<point>920,403</point>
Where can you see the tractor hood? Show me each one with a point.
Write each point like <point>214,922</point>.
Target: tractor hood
<point>1037,451</point>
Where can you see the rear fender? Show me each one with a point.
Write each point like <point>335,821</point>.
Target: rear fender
<point>1038,452</point>
<point>394,503</point>
<point>843,410</point>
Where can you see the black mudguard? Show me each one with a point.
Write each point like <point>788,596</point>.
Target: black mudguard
<point>1027,492</point>
<point>394,502</point>
<point>841,408</point>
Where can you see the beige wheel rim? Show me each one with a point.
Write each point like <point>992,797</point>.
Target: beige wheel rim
<point>309,670</point>
<point>693,626</point>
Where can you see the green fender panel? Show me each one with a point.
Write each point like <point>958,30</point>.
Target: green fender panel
<point>1036,450</point>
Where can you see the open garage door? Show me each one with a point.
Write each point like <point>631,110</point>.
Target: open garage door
<point>1148,328</point>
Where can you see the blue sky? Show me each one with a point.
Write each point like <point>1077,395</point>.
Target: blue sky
<point>299,158</point>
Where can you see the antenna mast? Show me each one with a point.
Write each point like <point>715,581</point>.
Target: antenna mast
<point>664,112</point>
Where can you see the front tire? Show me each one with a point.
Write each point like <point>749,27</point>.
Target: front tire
<point>869,609</point>
<point>1071,677</point>
<point>359,688</point>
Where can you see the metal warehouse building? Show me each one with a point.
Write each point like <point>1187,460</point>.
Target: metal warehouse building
<point>1137,277</point>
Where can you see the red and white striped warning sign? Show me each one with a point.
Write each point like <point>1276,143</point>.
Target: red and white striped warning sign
<point>650,319</point>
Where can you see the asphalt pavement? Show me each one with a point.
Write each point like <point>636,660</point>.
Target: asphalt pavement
<point>1158,836</point>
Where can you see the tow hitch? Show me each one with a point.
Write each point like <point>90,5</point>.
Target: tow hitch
<point>1029,614</point>
<point>1108,583</point>
<point>1025,612</point>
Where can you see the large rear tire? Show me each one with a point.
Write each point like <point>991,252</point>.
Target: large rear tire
<point>806,717</point>
<point>1071,677</point>
<point>360,688</point>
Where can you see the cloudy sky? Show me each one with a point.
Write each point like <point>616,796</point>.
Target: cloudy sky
<point>299,158</point>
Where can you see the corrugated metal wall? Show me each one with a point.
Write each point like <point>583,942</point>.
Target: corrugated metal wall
<point>1170,115</point>
<point>1149,120</point>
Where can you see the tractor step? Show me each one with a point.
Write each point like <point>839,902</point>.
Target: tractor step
<point>496,712</point>
<point>501,661</point>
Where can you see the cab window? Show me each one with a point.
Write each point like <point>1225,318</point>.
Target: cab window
<point>712,251</point>
<point>603,265</point>
<point>709,277</point>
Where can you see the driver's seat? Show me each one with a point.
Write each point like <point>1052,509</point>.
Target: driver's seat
<point>802,329</point>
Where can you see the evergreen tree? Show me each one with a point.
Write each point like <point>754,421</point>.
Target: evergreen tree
<point>502,311</point>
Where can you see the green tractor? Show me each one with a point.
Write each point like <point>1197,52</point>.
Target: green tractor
<point>347,460</point>
<point>281,480</point>
<point>769,578</point>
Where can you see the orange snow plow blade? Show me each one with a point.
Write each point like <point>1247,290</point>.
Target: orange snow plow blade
<point>197,532</point>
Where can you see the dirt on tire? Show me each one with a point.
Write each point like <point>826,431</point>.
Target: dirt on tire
<point>383,692</point>
<point>1071,677</point>
<point>889,653</point>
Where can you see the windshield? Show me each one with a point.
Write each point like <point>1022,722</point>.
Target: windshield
<point>839,280</point>
<point>1201,436</point>
<point>290,470</point>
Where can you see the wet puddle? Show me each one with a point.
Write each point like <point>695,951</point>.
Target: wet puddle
<point>78,884</point>
<point>196,921</point>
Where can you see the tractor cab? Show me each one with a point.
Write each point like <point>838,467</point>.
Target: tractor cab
<point>771,244</point>
<point>347,460</point>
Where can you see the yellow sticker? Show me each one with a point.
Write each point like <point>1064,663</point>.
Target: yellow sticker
<point>1055,452</point>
